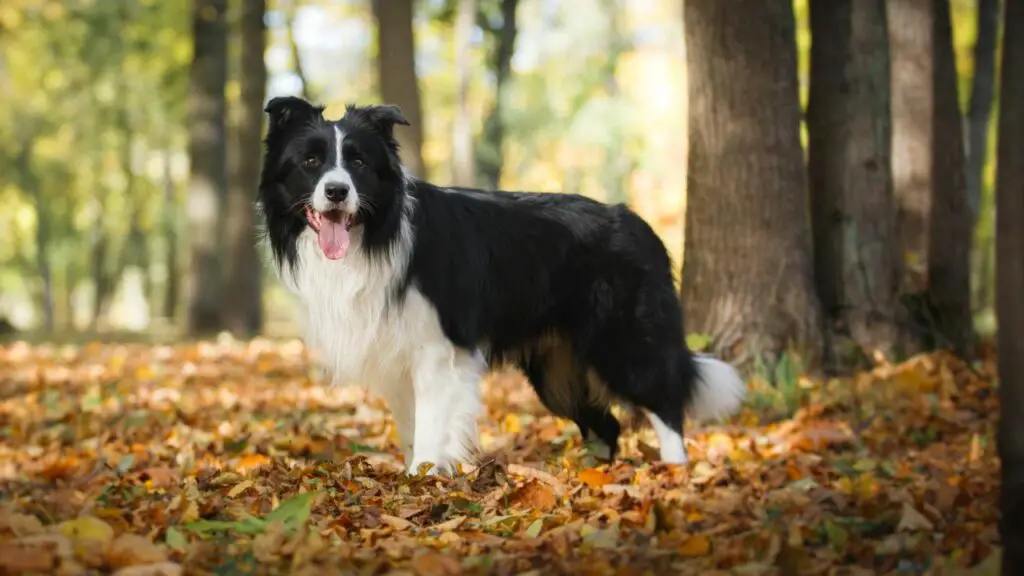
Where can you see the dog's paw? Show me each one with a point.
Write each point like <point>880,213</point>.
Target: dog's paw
<point>426,468</point>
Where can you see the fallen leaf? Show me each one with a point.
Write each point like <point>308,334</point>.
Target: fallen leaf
<point>911,520</point>
<point>433,563</point>
<point>161,569</point>
<point>695,546</point>
<point>132,550</point>
<point>594,477</point>
<point>534,495</point>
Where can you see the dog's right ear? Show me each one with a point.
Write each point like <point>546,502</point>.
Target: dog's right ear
<point>283,110</point>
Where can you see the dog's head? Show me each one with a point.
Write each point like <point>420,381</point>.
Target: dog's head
<point>331,176</point>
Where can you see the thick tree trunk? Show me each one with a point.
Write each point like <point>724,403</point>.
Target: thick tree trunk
<point>1010,287</point>
<point>243,308</point>
<point>910,36</point>
<point>207,154</point>
<point>852,206</point>
<point>983,88</point>
<point>747,275</point>
<point>949,247</point>
<point>491,152</point>
<point>463,161</point>
<point>928,173</point>
<point>396,73</point>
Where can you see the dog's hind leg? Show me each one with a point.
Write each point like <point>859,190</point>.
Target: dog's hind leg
<point>561,383</point>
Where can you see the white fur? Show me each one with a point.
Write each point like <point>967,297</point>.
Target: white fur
<point>670,442</point>
<point>336,175</point>
<point>397,350</point>
<point>720,390</point>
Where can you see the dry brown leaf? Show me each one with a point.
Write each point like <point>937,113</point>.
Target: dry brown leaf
<point>396,522</point>
<point>534,495</point>
<point>432,563</point>
<point>161,569</point>
<point>695,546</point>
<point>911,520</point>
<point>132,550</point>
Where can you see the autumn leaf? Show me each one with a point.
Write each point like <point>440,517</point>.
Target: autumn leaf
<point>209,458</point>
<point>594,477</point>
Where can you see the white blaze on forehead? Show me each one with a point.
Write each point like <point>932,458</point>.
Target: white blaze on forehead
<point>336,174</point>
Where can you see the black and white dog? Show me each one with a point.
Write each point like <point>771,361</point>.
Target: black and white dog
<point>412,290</point>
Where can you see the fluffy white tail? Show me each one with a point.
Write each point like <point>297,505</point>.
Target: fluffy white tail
<point>719,390</point>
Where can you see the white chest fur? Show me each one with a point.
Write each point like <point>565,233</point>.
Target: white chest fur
<point>360,336</point>
<point>350,326</point>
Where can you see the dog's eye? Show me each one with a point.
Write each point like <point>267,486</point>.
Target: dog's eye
<point>311,162</point>
<point>358,163</point>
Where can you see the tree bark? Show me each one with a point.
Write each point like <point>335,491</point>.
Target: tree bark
<point>463,161</point>
<point>910,37</point>
<point>849,159</point>
<point>207,154</point>
<point>242,295</point>
<point>491,152</point>
<point>747,274</point>
<point>983,87</point>
<point>396,74</point>
<point>1010,287</point>
<point>928,173</point>
<point>949,247</point>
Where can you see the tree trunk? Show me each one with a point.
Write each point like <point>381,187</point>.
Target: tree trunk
<point>928,173</point>
<point>747,275</point>
<point>396,73</point>
<point>910,37</point>
<point>242,305</point>
<point>949,252</point>
<point>207,155</point>
<point>170,224</point>
<point>28,182</point>
<point>1009,287</point>
<point>849,160</point>
<point>983,87</point>
<point>463,168</point>
<point>491,152</point>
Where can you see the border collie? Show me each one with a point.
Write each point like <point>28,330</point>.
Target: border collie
<point>414,290</point>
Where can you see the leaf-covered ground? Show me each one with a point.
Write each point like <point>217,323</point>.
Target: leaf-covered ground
<point>228,457</point>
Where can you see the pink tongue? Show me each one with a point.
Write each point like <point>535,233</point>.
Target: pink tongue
<point>333,239</point>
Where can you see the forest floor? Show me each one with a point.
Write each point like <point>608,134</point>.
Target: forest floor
<point>228,458</point>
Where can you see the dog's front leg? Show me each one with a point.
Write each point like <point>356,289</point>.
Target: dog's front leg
<point>447,404</point>
<point>400,399</point>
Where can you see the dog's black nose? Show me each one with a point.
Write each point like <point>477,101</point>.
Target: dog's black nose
<point>335,191</point>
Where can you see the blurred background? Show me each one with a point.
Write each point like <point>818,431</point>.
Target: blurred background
<point>130,133</point>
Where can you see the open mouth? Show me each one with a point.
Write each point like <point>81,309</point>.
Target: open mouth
<point>332,231</point>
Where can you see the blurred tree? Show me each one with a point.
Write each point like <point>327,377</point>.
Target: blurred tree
<point>207,155</point>
<point>242,306</point>
<point>396,74</point>
<point>463,161</point>
<point>289,8</point>
<point>983,86</point>
<point>928,174</point>
<point>1010,287</point>
<point>853,212</point>
<point>747,272</point>
<point>502,29</point>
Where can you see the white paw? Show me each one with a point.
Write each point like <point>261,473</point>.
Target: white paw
<point>435,469</point>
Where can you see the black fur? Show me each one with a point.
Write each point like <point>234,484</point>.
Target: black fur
<point>576,293</point>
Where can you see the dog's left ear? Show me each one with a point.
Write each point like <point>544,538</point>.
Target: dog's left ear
<point>283,110</point>
<point>384,117</point>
